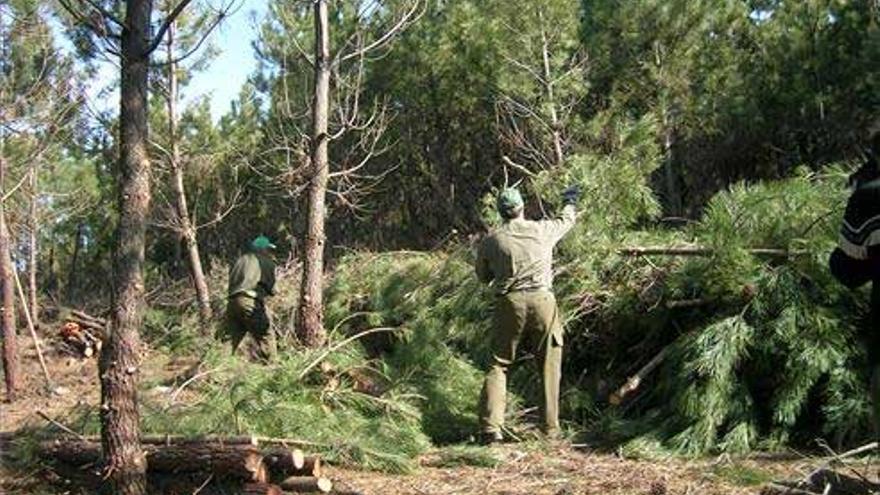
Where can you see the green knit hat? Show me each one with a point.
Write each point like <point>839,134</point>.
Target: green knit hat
<point>509,200</point>
<point>262,243</point>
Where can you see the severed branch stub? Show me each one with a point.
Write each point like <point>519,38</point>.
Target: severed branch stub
<point>635,381</point>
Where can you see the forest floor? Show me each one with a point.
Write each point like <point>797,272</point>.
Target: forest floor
<point>532,468</point>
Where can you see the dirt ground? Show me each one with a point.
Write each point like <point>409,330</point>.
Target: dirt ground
<point>524,469</point>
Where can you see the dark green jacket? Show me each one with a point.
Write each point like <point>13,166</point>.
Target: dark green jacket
<point>252,275</point>
<point>519,254</point>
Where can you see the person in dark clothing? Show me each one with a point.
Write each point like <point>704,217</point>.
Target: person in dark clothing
<point>251,281</point>
<point>856,261</point>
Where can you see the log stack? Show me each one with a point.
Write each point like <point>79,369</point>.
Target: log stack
<point>240,460</point>
<point>79,341</point>
<point>82,333</point>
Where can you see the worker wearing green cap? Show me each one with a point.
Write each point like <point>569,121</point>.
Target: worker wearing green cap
<point>517,261</point>
<point>251,281</point>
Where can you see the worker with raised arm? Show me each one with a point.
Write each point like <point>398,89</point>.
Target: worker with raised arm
<point>516,259</point>
<point>251,281</point>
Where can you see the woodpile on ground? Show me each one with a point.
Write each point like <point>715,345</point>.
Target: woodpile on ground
<point>258,467</point>
<point>82,334</point>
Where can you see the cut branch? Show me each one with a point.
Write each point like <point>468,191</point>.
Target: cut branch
<point>704,251</point>
<point>635,381</point>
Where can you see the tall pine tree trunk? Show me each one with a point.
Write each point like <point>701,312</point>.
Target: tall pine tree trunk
<point>673,192</point>
<point>7,298</point>
<point>124,459</point>
<point>310,324</point>
<point>33,225</point>
<point>187,230</point>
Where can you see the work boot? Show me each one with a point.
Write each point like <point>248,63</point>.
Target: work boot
<point>490,438</point>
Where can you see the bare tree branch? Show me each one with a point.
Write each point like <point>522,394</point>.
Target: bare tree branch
<point>160,33</point>
<point>221,15</point>
<point>409,17</point>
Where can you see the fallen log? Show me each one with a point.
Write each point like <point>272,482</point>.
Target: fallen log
<point>242,462</point>
<point>300,484</point>
<point>87,317</point>
<point>284,463</point>
<point>239,462</point>
<point>261,489</point>
<point>72,453</point>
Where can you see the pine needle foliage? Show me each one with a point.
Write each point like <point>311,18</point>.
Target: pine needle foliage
<point>771,357</point>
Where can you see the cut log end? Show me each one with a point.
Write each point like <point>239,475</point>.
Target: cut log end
<point>261,489</point>
<point>283,463</point>
<point>301,484</point>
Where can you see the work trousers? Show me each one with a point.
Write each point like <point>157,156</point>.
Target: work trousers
<point>248,315</point>
<point>531,318</point>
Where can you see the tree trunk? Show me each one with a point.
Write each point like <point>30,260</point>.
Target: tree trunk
<point>73,274</point>
<point>673,194</point>
<point>119,365</point>
<point>186,229</point>
<point>7,288</point>
<point>33,224</point>
<point>310,323</point>
<point>556,133</point>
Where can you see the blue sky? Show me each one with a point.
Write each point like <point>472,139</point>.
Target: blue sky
<point>224,77</point>
<point>221,81</point>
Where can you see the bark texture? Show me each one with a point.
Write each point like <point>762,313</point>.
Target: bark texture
<point>33,226</point>
<point>310,319</point>
<point>261,489</point>
<point>300,484</point>
<point>238,462</point>
<point>186,229</point>
<point>7,301</point>
<point>125,464</point>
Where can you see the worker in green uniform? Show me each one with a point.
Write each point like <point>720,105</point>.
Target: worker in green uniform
<point>517,261</point>
<point>251,281</point>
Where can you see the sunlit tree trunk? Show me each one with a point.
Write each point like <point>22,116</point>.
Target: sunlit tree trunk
<point>186,229</point>
<point>124,459</point>
<point>556,131</point>
<point>310,324</point>
<point>7,298</point>
<point>33,226</point>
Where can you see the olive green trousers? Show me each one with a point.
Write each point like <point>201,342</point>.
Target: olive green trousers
<point>248,315</point>
<point>531,318</point>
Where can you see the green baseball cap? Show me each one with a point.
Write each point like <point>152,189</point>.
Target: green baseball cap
<point>509,199</point>
<point>262,243</point>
